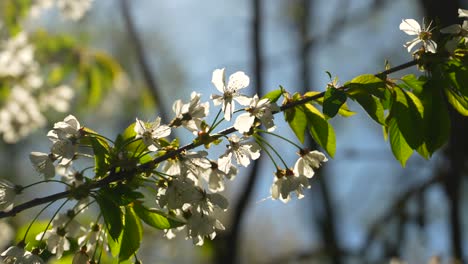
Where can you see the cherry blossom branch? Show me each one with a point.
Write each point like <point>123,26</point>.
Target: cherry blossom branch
<point>114,177</point>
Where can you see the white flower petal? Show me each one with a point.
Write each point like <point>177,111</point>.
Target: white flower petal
<point>218,79</point>
<point>244,122</point>
<point>410,27</point>
<point>237,81</point>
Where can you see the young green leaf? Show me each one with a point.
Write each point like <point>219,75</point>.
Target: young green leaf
<point>436,117</point>
<point>154,218</point>
<point>407,112</point>
<point>332,101</point>
<point>274,95</point>
<point>131,236</point>
<point>113,216</point>
<point>371,105</point>
<point>297,120</point>
<point>401,150</point>
<point>367,83</point>
<point>320,129</point>
<point>459,102</point>
<point>413,83</point>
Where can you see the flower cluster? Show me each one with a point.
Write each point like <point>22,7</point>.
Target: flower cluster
<point>70,9</point>
<point>26,103</point>
<point>458,32</point>
<point>65,137</point>
<point>187,183</point>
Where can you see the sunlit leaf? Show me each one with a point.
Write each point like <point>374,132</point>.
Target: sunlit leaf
<point>333,100</point>
<point>321,131</point>
<point>401,150</point>
<point>131,236</point>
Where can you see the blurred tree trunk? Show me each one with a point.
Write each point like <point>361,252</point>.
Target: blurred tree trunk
<point>457,149</point>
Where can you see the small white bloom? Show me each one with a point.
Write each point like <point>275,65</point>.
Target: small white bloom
<point>74,9</point>
<point>308,161</point>
<point>150,133</point>
<point>81,257</point>
<point>7,195</point>
<point>12,254</point>
<point>178,193</point>
<point>258,109</point>
<point>92,237</point>
<point>286,182</point>
<point>30,258</point>
<point>200,226</point>
<point>237,81</point>
<point>412,27</point>
<point>57,243</point>
<point>43,163</point>
<point>243,151</point>
<point>462,12</point>
<point>190,115</point>
<point>69,128</point>
<point>215,176</point>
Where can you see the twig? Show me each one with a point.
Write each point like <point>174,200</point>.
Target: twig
<point>115,177</point>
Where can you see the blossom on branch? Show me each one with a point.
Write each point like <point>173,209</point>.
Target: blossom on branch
<point>7,195</point>
<point>242,150</point>
<point>190,115</point>
<point>308,161</point>
<point>237,81</point>
<point>423,35</point>
<point>150,133</point>
<point>259,109</point>
<point>285,182</point>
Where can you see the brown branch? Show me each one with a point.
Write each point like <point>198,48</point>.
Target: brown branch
<point>148,76</point>
<point>115,177</point>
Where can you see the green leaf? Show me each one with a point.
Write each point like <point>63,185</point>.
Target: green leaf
<point>101,156</point>
<point>401,150</point>
<point>343,111</point>
<point>113,216</point>
<point>320,129</point>
<point>274,95</point>
<point>154,218</point>
<point>367,83</point>
<point>297,120</point>
<point>132,235</point>
<point>459,102</point>
<point>371,105</point>
<point>114,245</point>
<point>407,111</point>
<point>411,82</point>
<point>333,100</point>
<point>436,118</point>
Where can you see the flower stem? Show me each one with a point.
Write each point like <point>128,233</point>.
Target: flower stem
<point>35,218</point>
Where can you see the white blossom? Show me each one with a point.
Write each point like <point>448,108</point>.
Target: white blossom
<point>237,81</point>
<point>43,163</point>
<point>215,176</point>
<point>16,56</point>
<point>63,227</point>
<point>150,133</point>
<point>81,257</point>
<point>13,253</point>
<point>462,12</point>
<point>308,161</point>
<point>285,182</point>
<point>7,195</point>
<point>242,150</point>
<point>190,115</point>
<point>200,226</point>
<point>74,9</point>
<point>58,98</point>
<point>423,35</point>
<point>258,109</point>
